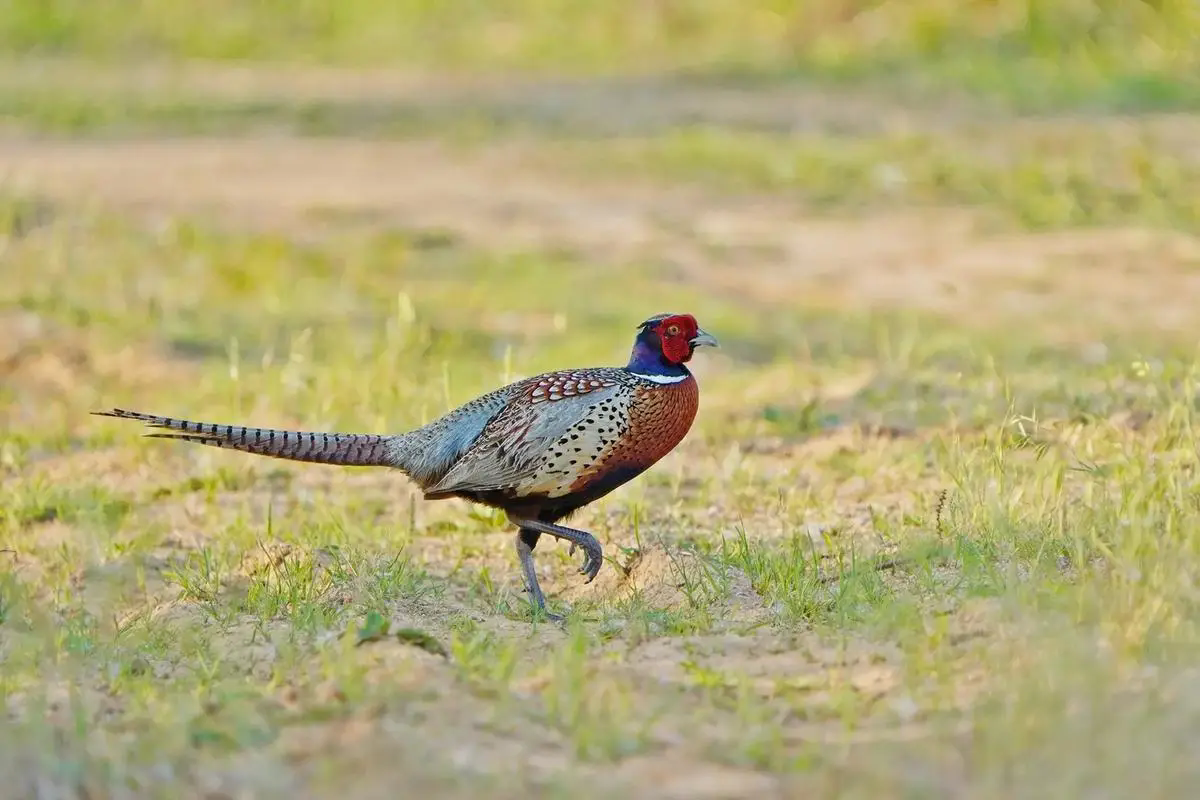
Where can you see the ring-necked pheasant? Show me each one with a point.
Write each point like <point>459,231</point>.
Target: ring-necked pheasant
<point>538,449</point>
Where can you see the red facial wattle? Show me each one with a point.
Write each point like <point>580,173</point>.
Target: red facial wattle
<point>676,334</point>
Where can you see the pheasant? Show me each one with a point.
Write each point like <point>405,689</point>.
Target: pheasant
<point>538,449</point>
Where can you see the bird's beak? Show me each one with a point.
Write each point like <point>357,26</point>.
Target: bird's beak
<point>701,339</point>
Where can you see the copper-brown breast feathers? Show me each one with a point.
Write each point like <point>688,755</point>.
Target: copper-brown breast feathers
<point>659,418</point>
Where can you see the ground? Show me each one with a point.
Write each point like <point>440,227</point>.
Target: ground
<point>932,533</point>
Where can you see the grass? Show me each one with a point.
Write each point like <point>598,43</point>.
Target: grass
<point>1098,53</point>
<point>1040,181</point>
<point>210,607</point>
<point>908,549</point>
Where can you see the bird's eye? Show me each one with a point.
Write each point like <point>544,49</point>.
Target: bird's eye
<point>672,330</point>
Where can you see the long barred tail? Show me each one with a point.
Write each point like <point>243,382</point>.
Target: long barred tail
<point>347,449</point>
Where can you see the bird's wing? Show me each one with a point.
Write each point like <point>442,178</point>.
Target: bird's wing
<point>531,433</point>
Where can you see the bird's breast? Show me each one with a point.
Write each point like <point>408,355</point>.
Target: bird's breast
<point>657,420</point>
<point>616,439</point>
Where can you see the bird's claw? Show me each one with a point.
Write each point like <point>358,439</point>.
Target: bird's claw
<point>593,559</point>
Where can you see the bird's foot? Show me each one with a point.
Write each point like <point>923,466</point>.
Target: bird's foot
<point>549,615</point>
<point>537,602</point>
<point>536,597</point>
<point>593,558</point>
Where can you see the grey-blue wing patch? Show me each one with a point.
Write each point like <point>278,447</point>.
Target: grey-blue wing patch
<point>428,452</point>
<point>512,444</point>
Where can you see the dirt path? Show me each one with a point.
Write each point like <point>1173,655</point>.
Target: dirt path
<point>510,197</point>
<point>631,104</point>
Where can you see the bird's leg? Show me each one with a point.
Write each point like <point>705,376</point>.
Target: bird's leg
<point>593,553</point>
<point>526,540</point>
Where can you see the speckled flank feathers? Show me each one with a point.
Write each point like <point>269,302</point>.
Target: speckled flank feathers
<point>539,448</point>
<point>656,422</point>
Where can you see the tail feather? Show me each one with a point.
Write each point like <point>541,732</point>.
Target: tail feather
<point>346,449</point>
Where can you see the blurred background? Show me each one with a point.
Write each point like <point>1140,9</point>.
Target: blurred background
<point>1078,53</point>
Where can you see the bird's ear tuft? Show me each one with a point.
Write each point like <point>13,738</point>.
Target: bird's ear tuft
<point>652,320</point>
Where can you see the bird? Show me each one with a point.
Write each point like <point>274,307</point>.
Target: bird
<point>538,449</point>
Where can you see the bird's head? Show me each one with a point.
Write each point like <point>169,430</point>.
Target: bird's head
<point>672,337</point>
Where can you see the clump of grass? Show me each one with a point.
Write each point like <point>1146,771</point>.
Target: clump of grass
<point>600,715</point>
<point>24,505</point>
